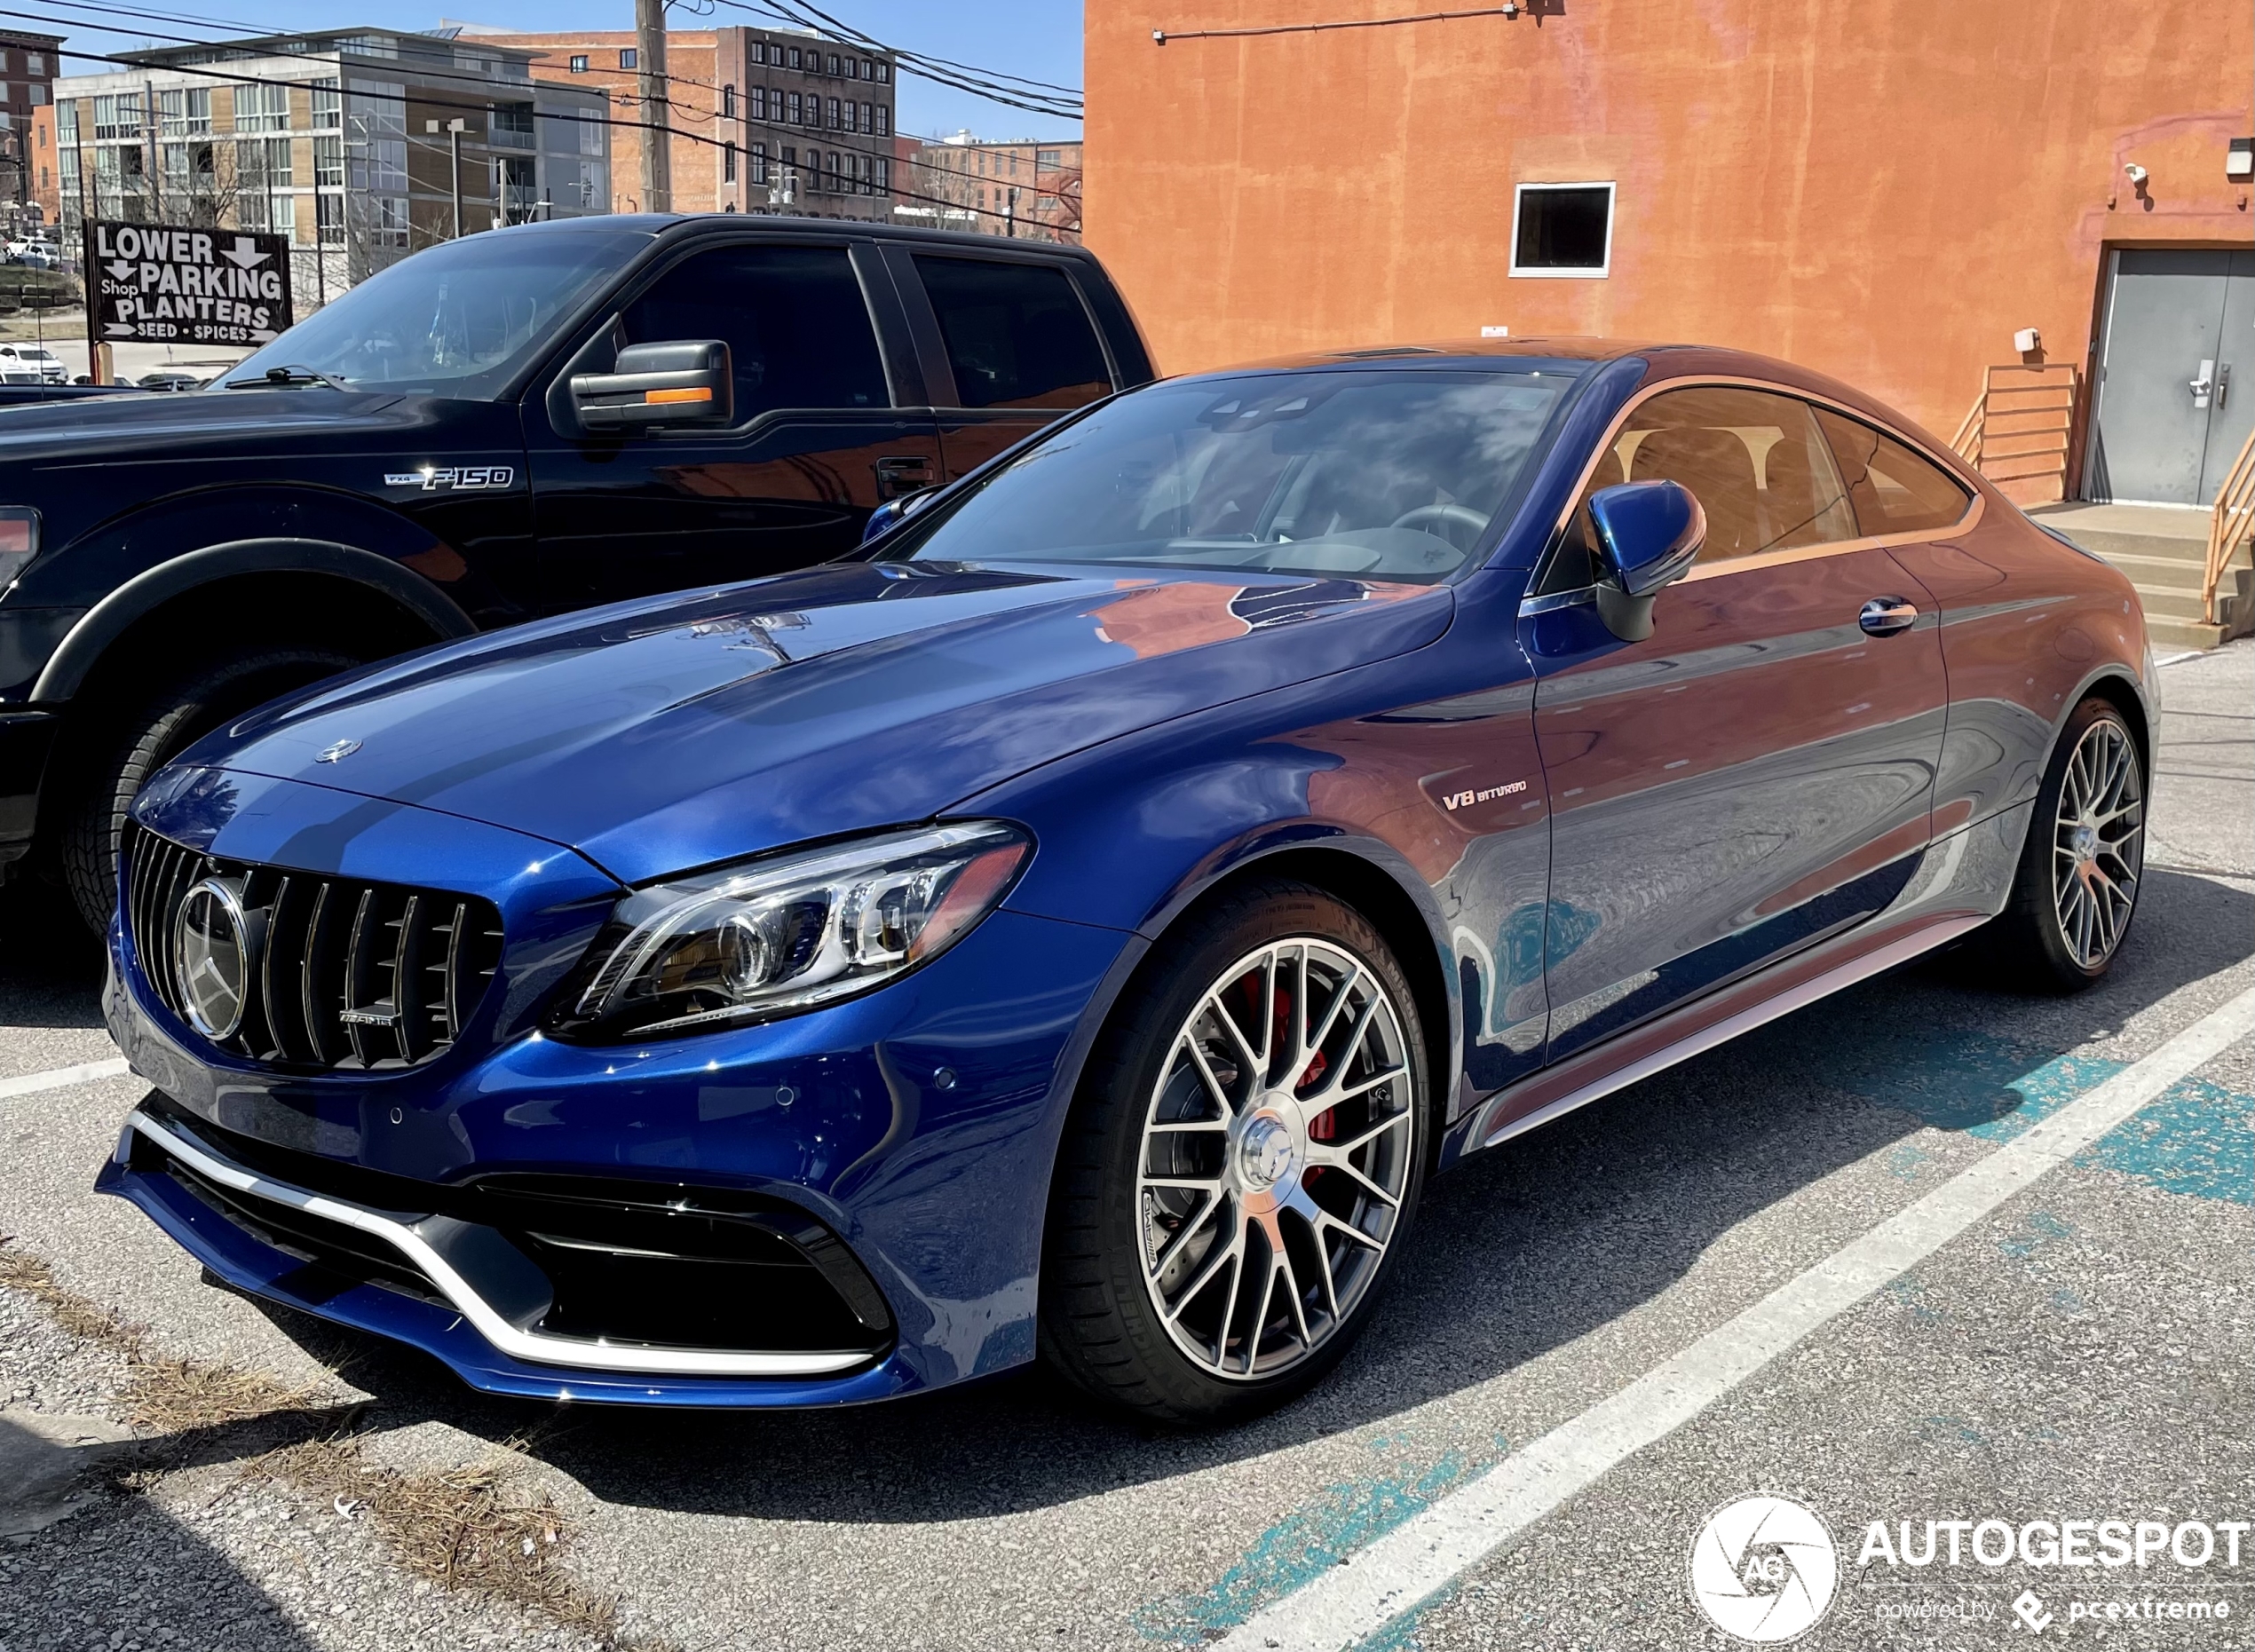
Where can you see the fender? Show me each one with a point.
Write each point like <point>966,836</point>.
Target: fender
<point>107,621</point>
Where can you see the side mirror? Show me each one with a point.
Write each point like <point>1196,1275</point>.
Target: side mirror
<point>1648,535</point>
<point>893,512</point>
<point>687,382</point>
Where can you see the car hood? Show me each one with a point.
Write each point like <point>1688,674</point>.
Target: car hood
<point>85,428</point>
<point>657,736</point>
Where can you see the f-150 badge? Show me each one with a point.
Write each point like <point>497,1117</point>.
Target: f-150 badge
<point>461,478</point>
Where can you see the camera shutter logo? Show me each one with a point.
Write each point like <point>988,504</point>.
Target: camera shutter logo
<point>1764,1569</point>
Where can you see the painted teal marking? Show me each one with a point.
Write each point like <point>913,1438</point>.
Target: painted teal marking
<point>2066,1302</point>
<point>2197,1138</point>
<point>2038,1230</point>
<point>1904,1161</point>
<point>1298,1549</point>
<point>1402,1635</point>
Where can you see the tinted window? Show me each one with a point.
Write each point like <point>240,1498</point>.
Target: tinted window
<point>1563,229</point>
<point>1017,334</point>
<point>797,331</point>
<point>1895,490</point>
<point>1755,462</point>
<point>1392,476</point>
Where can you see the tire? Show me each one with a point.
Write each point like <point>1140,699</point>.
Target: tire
<point>127,749</point>
<point>1143,1304</point>
<point>2076,889</point>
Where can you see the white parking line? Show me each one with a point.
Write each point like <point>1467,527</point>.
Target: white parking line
<point>1422,1555</point>
<point>85,1072</point>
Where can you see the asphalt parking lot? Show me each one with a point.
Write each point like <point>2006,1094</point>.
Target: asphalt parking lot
<point>2078,1347</point>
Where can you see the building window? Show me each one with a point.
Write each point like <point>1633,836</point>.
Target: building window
<point>759,163</point>
<point>834,66</point>
<point>329,220</point>
<point>1045,157</point>
<point>728,103</point>
<point>759,51</point>
<point>728,163</point>
<point>833,121</point>
<point>34,63</point>
<point>1563,229</point>
<point>185,112</point>
<point>794,56</point>
<point>884,173</point>
<point>329,106</point>
<point>329,163</point>
<point>262,109</point>
<point>793,101</point>
<point>759,103</point>
<point>578,65</point>
<point>864,171</point>
<point>628,57</point>
<point>884,121</point>
<point>884,73</point>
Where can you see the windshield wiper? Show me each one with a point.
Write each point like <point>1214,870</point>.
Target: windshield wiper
<point>285,377</point>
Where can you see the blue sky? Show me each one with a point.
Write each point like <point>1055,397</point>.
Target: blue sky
<point>1038,38</point>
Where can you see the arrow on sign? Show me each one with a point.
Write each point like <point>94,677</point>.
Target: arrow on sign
<point>262,333</point>
<point>245,253</point>
<point>115,328</point>
<point>120,269</point>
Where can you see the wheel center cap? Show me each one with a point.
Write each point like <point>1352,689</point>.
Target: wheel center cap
<point>2085,841</point>
<point>1265,1153</point>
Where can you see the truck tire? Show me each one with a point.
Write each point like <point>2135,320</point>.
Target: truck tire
<point>127,750</point>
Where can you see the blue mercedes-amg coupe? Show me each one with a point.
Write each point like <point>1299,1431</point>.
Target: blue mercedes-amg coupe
<point>1077,925</point>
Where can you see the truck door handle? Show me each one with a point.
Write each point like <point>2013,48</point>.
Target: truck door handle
<point>903,473</point>
<point>1884,616</point>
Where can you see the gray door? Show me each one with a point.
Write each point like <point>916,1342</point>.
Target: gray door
<point>2176,389</point>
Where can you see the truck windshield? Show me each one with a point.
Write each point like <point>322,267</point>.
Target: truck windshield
<point>1389,476</point>
<point>456,319</point>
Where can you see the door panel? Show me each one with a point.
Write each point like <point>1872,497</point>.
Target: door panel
<point>2231,414</point>
<point>1749,777</point>
<point>2165,319</point>
<point>815,444</point>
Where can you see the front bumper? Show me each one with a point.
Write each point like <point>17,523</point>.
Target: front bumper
<point>915,1127</point>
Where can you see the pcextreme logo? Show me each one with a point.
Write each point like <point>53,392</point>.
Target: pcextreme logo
<point>1764,1569</point>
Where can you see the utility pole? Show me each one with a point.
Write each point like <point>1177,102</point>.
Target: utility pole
<point>657,108</point>
<point>455,129</point>
<point>1010,222</point>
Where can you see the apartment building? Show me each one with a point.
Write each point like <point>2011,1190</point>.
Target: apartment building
<point>362,144</point>
<point>761,119</point>
<point>28,64</point>
<point>1022,186</point>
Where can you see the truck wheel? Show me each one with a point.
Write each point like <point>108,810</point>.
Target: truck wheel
<point>127,750</point>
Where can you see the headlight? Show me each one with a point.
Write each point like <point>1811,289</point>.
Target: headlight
<point>773,937</point>
<point>18,542</point>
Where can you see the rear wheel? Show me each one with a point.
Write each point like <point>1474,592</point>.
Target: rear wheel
<point>2076,890</point>
<point>134,744</point>
<point>1243,1164</point>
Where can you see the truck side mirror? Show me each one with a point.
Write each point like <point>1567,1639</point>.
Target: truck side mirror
<point>1648,534</point>
<point>684,382</point>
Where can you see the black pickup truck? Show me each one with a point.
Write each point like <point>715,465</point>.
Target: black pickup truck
<point>514,425</point>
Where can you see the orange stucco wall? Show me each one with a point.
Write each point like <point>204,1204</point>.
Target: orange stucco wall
<point>1884,190</point>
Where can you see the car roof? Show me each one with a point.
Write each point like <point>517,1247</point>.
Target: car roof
<point>672,223</point>
<point>1663,360</point>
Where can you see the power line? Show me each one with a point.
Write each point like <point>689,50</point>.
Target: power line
<point>929,69</point>
<point>1161,36</point>
<point>478,107</point>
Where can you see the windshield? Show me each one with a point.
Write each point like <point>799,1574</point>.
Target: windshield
<point>455,318</point>
<point>1392,476</point>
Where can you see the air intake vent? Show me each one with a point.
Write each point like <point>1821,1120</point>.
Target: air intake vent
<point>338,974</point>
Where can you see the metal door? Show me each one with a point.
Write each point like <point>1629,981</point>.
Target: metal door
<point>2176,392</point>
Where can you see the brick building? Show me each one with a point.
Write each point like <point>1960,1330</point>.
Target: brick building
<point>1889,192</point>
<point>764,120</point>
<point>28,68</point>
<point>1022,186</point>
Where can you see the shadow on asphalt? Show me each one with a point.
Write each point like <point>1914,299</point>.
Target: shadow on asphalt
<point>51,963</point>
<point>1516,1252</point>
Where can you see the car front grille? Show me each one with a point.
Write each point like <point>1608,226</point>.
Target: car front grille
<point>344,975</point>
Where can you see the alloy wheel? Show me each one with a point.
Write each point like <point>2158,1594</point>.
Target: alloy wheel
<point>1278,1146</point>
<point>2098,843</point>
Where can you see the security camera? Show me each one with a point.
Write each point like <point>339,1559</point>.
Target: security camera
<point>2135,173</point>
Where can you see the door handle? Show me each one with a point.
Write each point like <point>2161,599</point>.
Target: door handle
<point>2202,382</point>
<point>1884,616</point>
<point>2223,384</point>
<point>903,473</point>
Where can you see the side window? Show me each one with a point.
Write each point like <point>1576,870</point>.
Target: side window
<point>1016,334</point>
<point>1895,490</point>
<point>1755,461</point>
<point>797,330</point>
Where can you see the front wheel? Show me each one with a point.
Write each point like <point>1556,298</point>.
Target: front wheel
<point>2076,889</point>
<point>1243,1164</point>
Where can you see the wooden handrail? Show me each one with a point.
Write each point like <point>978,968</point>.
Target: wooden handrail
<point>1966,443</point>
<point>2230,525</point>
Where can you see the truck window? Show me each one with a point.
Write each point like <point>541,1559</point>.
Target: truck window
<point>1016,333</point>
<point>797,331</point>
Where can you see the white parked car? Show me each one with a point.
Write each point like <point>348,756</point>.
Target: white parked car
<point>31,364</point>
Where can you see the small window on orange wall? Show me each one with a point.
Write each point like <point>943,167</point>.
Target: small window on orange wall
<point>1562,230</point>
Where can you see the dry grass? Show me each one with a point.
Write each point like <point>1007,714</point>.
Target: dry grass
<point>460,1527</point>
